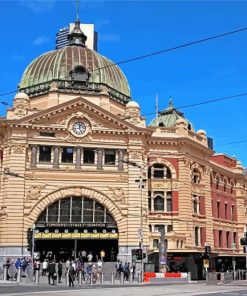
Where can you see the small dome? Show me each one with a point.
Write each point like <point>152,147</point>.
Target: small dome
<point>201,133</point>
<point>132,104</point>
<point>170,117</point>
<point>21,95</point>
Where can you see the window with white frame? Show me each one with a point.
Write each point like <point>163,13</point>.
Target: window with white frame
<point>197,236</point>
<point>155,243</point>
<point>159,171</point>
<point>162,201</point>
<point>159,203</point>
<point>196,176</point>
<point>196,204</point>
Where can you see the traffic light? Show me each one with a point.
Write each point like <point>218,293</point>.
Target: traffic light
<point>138,254</point>
<point>207,252</point>
<point>243,241</point>
<point>29,239</point>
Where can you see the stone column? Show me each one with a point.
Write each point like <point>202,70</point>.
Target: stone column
<point>56,151</point>
<point>78,158</point>
<point>99,159</point>
<point>33,156</point>
<point>120,159</point>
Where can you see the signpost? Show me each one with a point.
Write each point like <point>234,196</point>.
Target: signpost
<point>162,252</point>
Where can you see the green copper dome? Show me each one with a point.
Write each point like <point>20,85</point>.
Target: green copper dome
<point>168,117</point>
<point>60,65</point>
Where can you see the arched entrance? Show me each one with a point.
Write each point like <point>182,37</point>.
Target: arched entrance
<point>74,224</point>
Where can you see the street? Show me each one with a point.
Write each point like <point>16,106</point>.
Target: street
<point>157,290</point>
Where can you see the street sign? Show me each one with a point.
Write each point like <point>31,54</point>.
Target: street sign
<point>206,263</point>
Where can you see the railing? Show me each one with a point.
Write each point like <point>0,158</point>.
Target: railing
<point>213,278</point>
<point>11,273</point>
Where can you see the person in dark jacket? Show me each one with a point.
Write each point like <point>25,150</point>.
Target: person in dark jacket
<point>71,275</point>
<point>51,272</point>
<point>60,270</point>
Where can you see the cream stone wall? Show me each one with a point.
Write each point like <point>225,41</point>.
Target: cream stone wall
<point>24,197</point>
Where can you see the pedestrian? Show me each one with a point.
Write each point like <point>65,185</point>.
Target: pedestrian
<point>112,255</point>
<point>51,269</point>
<point>126,271</point>
<point>120,269</point>
<point>44,267</point>
<point>60,271</point>
<point>99,263</point>
<point>90,257</point>
<point>84,255</point>
<point>102,255</point>
<point>71,275</point>
<point>18,263</point>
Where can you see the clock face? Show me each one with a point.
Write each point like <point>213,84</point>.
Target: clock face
<point>79,128</point>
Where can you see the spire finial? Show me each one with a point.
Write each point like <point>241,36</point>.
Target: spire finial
<point>170,104</point>
<point>77,9</point>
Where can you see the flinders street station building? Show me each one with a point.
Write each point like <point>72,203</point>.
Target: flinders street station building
<point>82,169</point>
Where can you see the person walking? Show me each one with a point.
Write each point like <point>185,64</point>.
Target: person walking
<point>60,271</point>
<point>44,267</point>
<point>71,275</point>
<point>102,255</point>
<point>51,272</point>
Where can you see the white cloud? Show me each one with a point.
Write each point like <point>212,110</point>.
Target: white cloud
<point>38,6</point>
<point>110,37</point>
<point>40,40</point>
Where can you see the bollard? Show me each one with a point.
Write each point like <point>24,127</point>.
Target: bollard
<point>91,278</point>
<point>80,278</point>
<point>67,278</point>
<point>121,278</point>
<point>19,275</point>
<point>131,278</point>
<point>5,273</point>
<point>102,278</point>
<point>189,277</point>
<point>36,276</point>
<point>112,278</point>
<point>139,278</point>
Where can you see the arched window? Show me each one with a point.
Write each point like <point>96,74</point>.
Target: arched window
<point>196,176</point>
<point>159,171</point>
<point>75,209</point>
<point>159,203</point>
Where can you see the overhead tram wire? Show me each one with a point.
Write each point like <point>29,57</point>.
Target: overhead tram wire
<point>173,48</point>
<point>156,53</point>
<point>206,102</point>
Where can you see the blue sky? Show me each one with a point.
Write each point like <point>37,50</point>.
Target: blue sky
<point>128,29</point>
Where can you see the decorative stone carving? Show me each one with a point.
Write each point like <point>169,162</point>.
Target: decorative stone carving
<point>30,175</point>
<point>54,86</point>
<point>18,149</point>
<point>187,162</point>
<point>136,154</point>
<point>123,178</point>
<point>2,212</point>
<point>118,194</point>
<point>34,192</point>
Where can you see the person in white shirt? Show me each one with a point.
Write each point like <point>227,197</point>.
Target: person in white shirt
<point>44,267</point>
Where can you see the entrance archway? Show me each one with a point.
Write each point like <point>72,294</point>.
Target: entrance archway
<point>74,223</point>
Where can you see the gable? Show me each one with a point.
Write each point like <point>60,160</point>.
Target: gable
<point>61,116</point>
